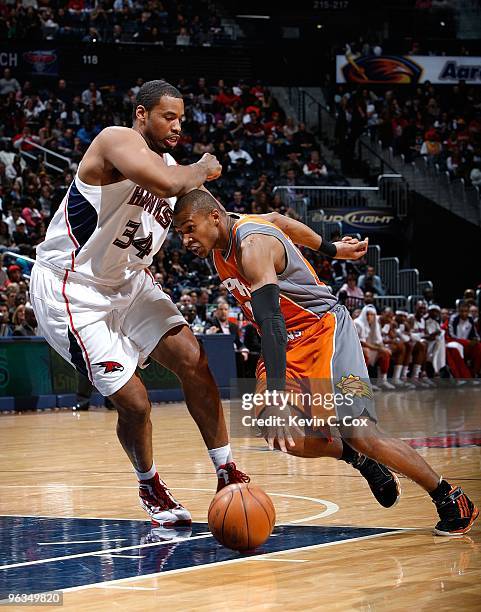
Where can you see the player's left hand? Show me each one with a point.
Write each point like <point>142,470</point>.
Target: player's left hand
<point>351,248</point>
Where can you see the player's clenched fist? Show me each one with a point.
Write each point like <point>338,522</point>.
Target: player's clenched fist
<point>351,248</point>
<point>214,169</point>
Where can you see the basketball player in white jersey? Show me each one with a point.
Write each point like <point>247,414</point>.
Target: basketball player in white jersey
<point>96,302</point>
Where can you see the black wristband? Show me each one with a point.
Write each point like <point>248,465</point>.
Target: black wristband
<point>328,248</point>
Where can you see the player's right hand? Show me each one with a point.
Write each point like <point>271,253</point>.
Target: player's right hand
<point>351,248</point>
<point>214,169</point>
<point>281,433</point>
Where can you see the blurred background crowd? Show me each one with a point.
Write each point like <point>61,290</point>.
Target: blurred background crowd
<point>259,147</point>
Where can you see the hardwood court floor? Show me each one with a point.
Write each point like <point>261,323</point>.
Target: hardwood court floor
<point>61,464</point>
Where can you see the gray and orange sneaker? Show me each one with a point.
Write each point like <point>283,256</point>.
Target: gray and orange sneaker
<point>456,511</point>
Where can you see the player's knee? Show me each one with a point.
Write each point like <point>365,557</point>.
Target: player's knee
<point>134,408</point>
<point>135,412</point>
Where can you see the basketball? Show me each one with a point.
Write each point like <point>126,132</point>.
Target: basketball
<point>241,517</point>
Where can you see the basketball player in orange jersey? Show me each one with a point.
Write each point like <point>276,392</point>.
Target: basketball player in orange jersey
<point>307,335</point>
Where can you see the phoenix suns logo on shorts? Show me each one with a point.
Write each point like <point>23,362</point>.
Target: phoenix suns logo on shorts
<point>355,386</point>
<point>110,366</point>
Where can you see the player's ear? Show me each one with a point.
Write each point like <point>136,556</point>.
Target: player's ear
<point>215,216</point>
<point>141,113</point>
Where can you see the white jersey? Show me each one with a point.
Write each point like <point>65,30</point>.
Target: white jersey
<point>105,234</point>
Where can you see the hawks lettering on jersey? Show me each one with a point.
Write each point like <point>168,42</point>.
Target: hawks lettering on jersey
<point>156,206</point>
<point>106,233</point>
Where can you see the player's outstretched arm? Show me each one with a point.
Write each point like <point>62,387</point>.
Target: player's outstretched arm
<point>128,152</point>
<point>347,248</point>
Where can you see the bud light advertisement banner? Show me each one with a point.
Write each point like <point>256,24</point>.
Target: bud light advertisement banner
<point>408,70</point>
<point>360,220</point>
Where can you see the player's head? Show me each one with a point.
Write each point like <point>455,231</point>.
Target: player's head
<point>201,221</point>
<point>158,111</point>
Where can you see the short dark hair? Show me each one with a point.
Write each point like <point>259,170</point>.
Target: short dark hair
<point>199,201</point>
<point>150,93</point>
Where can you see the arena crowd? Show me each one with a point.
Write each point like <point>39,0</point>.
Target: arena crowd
<point>259,147</point>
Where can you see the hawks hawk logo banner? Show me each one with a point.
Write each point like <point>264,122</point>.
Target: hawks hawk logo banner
<point>408,70</point>
<point>110,366</point>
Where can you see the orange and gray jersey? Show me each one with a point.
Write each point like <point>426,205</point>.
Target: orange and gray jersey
<point>304,298</point>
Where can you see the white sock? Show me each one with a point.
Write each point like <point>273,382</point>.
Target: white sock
<point>147,475</point>
<point>397,372</point>
<point>416,370</point>
<point>220,456</point>
<point>384,377</point>
<point>405,370</point>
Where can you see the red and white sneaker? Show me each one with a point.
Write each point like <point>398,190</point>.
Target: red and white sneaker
<point>163,509</point>
<point>228,474</point>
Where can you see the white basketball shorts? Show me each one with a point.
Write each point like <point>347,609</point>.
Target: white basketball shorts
<point>105,333</point>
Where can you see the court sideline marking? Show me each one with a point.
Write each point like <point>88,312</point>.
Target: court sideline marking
<point>97,553</point>
<point>229,562</point>
<point>331,507</point>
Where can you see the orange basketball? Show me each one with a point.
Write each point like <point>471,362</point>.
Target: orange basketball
<point>241,516</point>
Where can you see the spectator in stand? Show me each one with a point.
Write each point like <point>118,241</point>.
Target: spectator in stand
<point>30,213</point>
<point>18,317</point>
<point>26,322</point>
<point>369,298</point>
<point>304,139</point>
<point>432,146</point>
<point>370,281</point>
<point>239,156</point>
<point>396,345</point>
<point>238,203</point>
<point>469,297</point>
<point>375,353</point>
<point>289,180</point>
<point>403,331</point>
<point>462,329</point>
<point>8,84</point>
<point>315,168</point>
<point>20,141</point>
<point>91,96</point>
<point>435,337</point>
<point>10,296</point>
<point>220,324</point>
<point>5,239</point>
<point>202,302</point>
<point>325,272</point>
<point>445,314</point>
<point>6,328</point>
<point>14,273</point>
<point>292,162</point>
<point>20,235</point>
<point>350,293</point>
<point>428,295</point>
<point>87,133</point>
<point>419,342</point>
<point>189,312</point>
